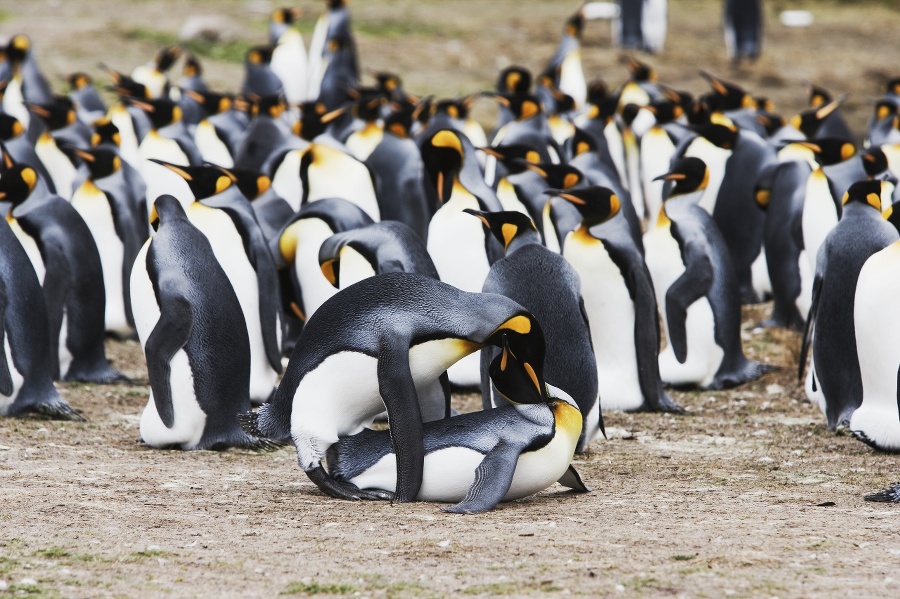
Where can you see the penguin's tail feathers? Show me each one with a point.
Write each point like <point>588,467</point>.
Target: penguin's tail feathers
<point>261,444</point>
<point>889,495</point>
<point>57,409</point>
<point>249,421</point>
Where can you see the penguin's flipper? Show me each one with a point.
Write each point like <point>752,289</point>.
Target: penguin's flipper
<point>398,391</point>
<point>572,480</point>
<point>444,380</point>
<point>56,290</point>
<point>808,326</point>
<point>646,335</point>
<point>6,383</point>
<point>170,334</point>
<point>493,478</point>
<point>271,318</point>
<point>693,284</point>
<point>889,495</point>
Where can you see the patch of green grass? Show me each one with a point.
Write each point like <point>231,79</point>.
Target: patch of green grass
<point>4,15</point>
<point>681,557</point>
<point>7,564</point>
<point>315,588</point>
<point>229,51</point>
<point>31,590</point>
<point>509,588</point>
<point>146,554</point>
<point>390,29</point>
<point>51,553</point>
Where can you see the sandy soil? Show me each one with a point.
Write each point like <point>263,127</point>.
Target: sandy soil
<point>746,494</point>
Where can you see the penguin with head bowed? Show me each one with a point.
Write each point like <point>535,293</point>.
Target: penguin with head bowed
<point>482,458</point>
<point>545,284</point>
<point>219,210</point>
<point>834,381</point>
<point>734,102</point>
<point>65,258</point>
<point>696,285</point>
<point>389,246</point>
<point>271,210</point>
<point>298,248</point>
<point>619,303</point>
<point>191,328</point>
<point>117,228</point>
<point>267,135</point>
<point>26,381</point>
<point>397,333</point>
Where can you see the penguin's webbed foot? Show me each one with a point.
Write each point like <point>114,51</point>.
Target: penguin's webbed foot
<point>342,489</point>
<point>56,410</point>
<point>889,495</point>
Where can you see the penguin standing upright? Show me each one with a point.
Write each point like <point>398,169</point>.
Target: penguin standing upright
<point>153,74</point>
<point>26,381</point>
<point>834,381</point>
<point>545,284</point>
<point>265,136</point>
<point>190,325</point>
<point>568,74</point>
<point>697,287</point>
<point>640,25</point>
<point>221,213</point>
<point>333,61</point>
<point>59,116</point>
<point>397,333</point>
<point>743,29</point>
<point>289,56</point>
<point>481,458</point>
<point>619,303</point>
<point>65,258</point>
<point>116,229</point>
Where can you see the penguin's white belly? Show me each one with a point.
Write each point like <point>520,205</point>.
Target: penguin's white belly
<point>506,193</point>
<point>616,151</point>
<point>656,152</point>
<point>456,245</point>
<point>212,149</point>
<point>316,289</point>
<point>189,419</point>
<point>159,179</point>
<point>129,144</point>
<point>362,143</point>
<point>354,268</point>
<point>229,250</point>
<point>819,215</point>
<point>144,307</point>
<point>633,168</point>
<point>879,354</point>
<point>716,159</point>
<point>14,101</point>
<point>610,311</point>
<point>807,274</point>
<point>17,379</point>
<point>289,64</point>
<point>31,250</point>
<point>759,273</point>
<point>448,473</point>
<point>334,174</point>
<point>97,214</point>
<point>571,78</point>
<point>61,169</point>
<point>286,181</point>
<point>65,355</point>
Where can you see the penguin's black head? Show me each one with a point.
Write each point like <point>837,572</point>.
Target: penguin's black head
<point>885,108</point>
<point>514,81</point>
<point>105,132</point>
<point>329,259</point>
<point>311,124</point>
<point>211,102</point>
<point>809,120</point>
<point>720,132</point>
<point>58,114</point>
<point>559,176</point>
<point>251,184</point>
<point>166,208</point>
<point>596,204</point>
<point>100,162</point>
<point>514,156</point>
<point>818,96</point>
<point>10,127</point>
<point>665,110</point>
<point>629,113</point>
<point>166,58</point>
<point>443,155</point>
<point>525,107</point>
<point>874,161</point>
<point>506,225</point>
<point>638,71</point>
<point>192,66</point>
<point>865,192</point>
<point>830,150</point>
<point>582,142</point>
<point>18,48</point>
<point>689,174</point>
<point>285,16</point>
<point>400,120</point>
<point>770,121</point>
<point>700,112</point>
<point>162,111</point>
<point>523,335</point>
<point>597,91</point>
<point>259,55</point>
<point>205,181</point>
<point>575,25</point>
<point>388,83</point>
<point>453,108</point>
<point>125,86</point>
<point>271,106</point>
<point>78,81</point>
<point>893,86</point>
<point>730,96</point>
<point>367,103</point>
<point>17,181</point>
<point>514,379</point>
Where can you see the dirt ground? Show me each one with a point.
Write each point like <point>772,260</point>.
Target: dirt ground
<point>747,494</point>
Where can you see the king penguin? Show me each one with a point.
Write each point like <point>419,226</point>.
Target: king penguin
<point>289,60</point>
<point>743,29</point>
<point>834,380</point>
<point>619,303</point>
<point>397,333</point>
<point>190,325</point>
<point>545,284</point>
<point>697,287</point>
<point>482,458</point>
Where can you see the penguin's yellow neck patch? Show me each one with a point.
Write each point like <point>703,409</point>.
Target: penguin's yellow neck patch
<point>582,235</point>
<point>663,219</point>
<point>90,188</point>
<point>287,244</point>
<point>568,419</point>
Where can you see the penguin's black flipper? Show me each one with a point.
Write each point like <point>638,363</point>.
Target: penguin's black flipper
<point>808,326</point>
<point>170,334</point>
<point>398,390</point>
<point>6,383</point>
<point>572,480</point>
<point>56,290</point>
<point>493,478</point>
<point>693,284</point>
<point>889,495</point>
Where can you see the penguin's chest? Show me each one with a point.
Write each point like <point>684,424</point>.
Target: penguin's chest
<point>286,180</point>
<point>663,257</point>
<point>61,169</point>
<point>819,214</point>
<point>17,379</point>
<point>506,193</point>
<point>211,147</point>
<point>362,143</point>
<point>163,148</point>
<point>354,267</point>
<point>31,249</point>
<point>315,288</point>
<point>456,243</point>
<point>334,174</point>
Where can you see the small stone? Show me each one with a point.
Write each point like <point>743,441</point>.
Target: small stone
<point>766,460</point>
<point>444,544</point>
<point>620,588</point>
<point>28,582</point>
<point>3,585</point>
<point>774,389</point>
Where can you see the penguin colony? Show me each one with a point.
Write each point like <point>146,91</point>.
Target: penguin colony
<point>593,251</point>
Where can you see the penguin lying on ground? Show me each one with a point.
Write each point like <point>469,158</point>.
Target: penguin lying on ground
<point>481,458</point>
<point>397,333</point>
<point>192,331</point>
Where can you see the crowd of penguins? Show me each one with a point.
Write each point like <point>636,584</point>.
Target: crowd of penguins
<point>394,251</point>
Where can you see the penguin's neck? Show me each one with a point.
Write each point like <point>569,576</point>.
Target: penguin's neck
<point>583,235</point>
<point>522,239</point>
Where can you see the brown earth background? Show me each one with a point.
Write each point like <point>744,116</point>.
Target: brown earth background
<point>725,500</point>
